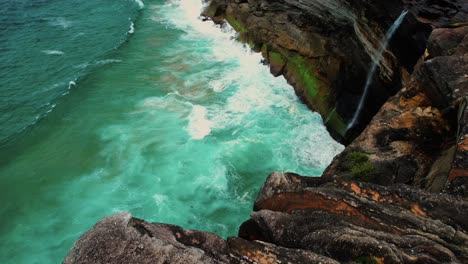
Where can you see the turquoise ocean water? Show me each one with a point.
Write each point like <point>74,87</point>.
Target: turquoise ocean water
<point>123,105</point>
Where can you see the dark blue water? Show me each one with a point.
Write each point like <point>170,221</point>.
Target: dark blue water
<point>45,45</point>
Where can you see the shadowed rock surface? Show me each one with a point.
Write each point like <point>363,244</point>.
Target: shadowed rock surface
<point>418,136</point>
<point>325,48</point>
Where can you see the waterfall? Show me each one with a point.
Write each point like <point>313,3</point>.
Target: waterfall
<point>375,63</point>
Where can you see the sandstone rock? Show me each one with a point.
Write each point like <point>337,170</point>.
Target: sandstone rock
<point>349,220</point>
<point>324,49</point>
<point>439,12</point>
<point>411,139</point>
<point>458,177</point>
<point>120,238</point>
<point>443,74</point>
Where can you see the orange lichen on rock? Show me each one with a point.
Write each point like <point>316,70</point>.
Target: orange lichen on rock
<point>370,194</point>
<point>416,209</point>
<point>288,202</point>
<point>354,187</point>
<point>455,173</point>
<point>414,101</point>
<point>259,256</point>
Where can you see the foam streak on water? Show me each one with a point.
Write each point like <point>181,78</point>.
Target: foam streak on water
<point>53,52</point>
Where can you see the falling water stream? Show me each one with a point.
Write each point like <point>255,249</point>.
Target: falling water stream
<point>373,69</point>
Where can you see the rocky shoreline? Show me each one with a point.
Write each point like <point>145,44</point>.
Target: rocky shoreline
<point>397,194</point>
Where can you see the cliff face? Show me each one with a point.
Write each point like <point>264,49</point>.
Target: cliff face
<point>417,134</point>
<point>325,50</point>
<point>397,194</point>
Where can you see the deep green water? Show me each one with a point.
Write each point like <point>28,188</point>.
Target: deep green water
<point>175,122</point>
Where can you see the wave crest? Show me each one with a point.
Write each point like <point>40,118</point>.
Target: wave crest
<point>140,3</point>
<point>199,126</point>
<point>53,52</point>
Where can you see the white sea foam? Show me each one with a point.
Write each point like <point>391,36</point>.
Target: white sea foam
<point>53,52</point>
<point>312,146</point>
<point>140,3</point>
<point>256,96</point>
<point>132,28</point>
<point>51,108</point>
<point>170,102</point>
<point>199,126</point>
<point>81,66</point>
<point>70,85</point>
<point>103,62</point>
<point>61,22</point>
<point>217,85</point>
<point>160,199</point>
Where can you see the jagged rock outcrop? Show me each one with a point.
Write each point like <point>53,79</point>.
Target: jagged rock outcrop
<point>415,135</point>
<point>120,238</point>
<point>349,221</point>
<point>438,12</point>
<point>325,49</point>
<point>457,180</point>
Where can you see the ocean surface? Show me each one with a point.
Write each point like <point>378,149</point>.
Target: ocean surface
<point>128,105</point>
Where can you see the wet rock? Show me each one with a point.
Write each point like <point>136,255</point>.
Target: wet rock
<point>439,12</point>
<point>458,177</point>
<point>443,74</point>
<point>266,253</point>
<point>325,48</point>
<point>120,238</point>
<point>412,138</point>
<point>350,220</point>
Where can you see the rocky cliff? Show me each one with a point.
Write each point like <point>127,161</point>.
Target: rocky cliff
<point>325,49</point>
<point>418,137</point>
<point>397,194</point>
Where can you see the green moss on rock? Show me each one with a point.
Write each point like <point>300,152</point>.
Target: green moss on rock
<point>336,121</point>
<point>359,165</point>
<point>304,71</point>
<point>276,58</point>
<point>210,11</point>
<point>367,260</point>
<point>236,24</point>
<point>316,92</point>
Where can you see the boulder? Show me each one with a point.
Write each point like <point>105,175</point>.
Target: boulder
<point>120,238</point>
<point>352,221</point>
